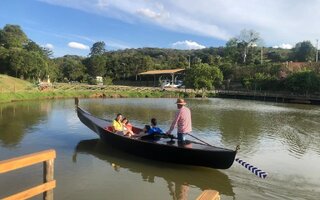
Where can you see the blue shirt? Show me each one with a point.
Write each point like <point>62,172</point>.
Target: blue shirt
<point>154,130</point>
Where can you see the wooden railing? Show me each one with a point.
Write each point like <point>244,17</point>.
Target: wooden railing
<point>47,157</point>
<point>209,195</point>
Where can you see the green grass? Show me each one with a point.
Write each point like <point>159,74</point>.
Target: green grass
<point>26,91</point>
<point>19,96</point>
<point>11,84</point>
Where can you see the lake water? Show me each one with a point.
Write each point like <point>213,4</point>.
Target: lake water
<point>281,139</point>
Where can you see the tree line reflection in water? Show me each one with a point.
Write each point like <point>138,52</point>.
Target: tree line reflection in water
<point>17,119</point>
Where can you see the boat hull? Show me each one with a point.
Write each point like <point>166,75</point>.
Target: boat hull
<point>163,149</point>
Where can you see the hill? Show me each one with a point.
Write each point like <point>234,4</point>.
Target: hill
<point>11,84</point>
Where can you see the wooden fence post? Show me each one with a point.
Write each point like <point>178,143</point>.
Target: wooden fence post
<point>48,171</point>
<point>47,158</point>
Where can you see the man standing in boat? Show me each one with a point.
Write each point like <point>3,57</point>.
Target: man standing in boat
<point>182,121</point>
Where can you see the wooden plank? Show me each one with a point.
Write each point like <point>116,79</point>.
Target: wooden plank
<point>48,171</point>
<point>32,191</point>
<point>26,160</point>
<point>209,195</point>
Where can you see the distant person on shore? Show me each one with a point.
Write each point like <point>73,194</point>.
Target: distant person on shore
<point>182,121</point>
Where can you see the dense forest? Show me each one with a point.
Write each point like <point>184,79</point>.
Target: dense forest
<point>242,61</point>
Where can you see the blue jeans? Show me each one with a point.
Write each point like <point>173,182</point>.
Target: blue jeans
<point>181,137</point>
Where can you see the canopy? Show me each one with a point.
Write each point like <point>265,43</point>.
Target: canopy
<point>166,71</point>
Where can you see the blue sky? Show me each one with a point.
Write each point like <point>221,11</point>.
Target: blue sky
<point>72,26</point>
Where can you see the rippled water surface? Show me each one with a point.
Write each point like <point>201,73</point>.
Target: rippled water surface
<point>281,139</point>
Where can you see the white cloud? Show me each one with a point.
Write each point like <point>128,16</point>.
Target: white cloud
<point>49,46</point>
<point>102,3</point>
<point>187,44</point>
<point>77,45</point>
<point>283,46</point>
<point>148,13</point>
<point>276,21</point>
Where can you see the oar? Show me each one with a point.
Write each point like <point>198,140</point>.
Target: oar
<point>248,166</point>
<point>199,139</point>
<point>252,168</point>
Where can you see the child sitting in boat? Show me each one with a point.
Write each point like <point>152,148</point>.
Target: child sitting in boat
<point>154,129</point>
<point>145,130</point>
<point>152,132</point>
<point>127,127</point>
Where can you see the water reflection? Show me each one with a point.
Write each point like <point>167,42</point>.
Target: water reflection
<point>227,123</point>
<point>17,119</point>
<point>282,139</point>
<point>178,178</point>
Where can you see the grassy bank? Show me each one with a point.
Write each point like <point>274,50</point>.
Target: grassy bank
<point>106,92</point>
<point>11,84</point>
<point>13,89</point>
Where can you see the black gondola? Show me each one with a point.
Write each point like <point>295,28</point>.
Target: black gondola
<point>164,149</point>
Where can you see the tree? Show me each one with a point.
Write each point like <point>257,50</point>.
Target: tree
<point>27,64</point>
<point>16,61</point>
<point>32,46</point>
<point>4,66</point>
<point>127,65</point>
<point>73,70</point>
<point>98,49</point>
<point>140,64</point>
<point>226,70</point>
<point>304,51</point>
<point>303,82</point>
<point>262,81</point>
<point>203,76</point>
<point>232,52</point>
<point>54,71</point>
<point>96,65</point>
<point>12,36</point>
<point>69,68</point>
<point>243,46</point>
<point>248,39</point>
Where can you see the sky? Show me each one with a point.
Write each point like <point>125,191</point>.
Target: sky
<point>72,26</point>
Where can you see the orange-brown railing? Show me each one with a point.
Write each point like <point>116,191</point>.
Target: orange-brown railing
<point>209,195</point>
<point>47,157</point>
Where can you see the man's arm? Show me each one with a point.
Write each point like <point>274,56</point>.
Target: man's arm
<point>174,123</point>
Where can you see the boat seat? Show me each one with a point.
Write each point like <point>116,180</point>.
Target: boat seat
<point>109,128</point>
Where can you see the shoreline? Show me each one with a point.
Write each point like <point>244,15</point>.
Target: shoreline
<point>107,92</point>
<point>269,97</point>
<point>70,91</point>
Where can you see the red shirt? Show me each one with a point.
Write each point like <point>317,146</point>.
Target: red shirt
<point>182,120</point>
<point>129,126</point>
